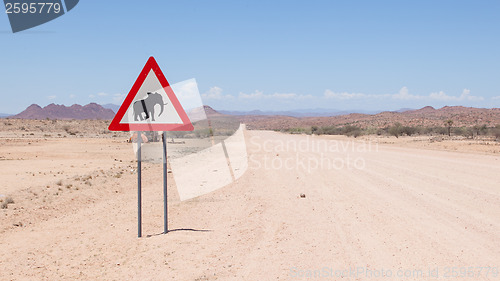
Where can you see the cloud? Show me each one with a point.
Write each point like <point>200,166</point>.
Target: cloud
<point>102,94</point>
<point>255,95</point>
<point>437,96</point>
<point>465,96</point>
<point>91,96</point>
<point>51,97</point>
<point>72,96</point>
<point>215,93</point>
<point>329,94</point>
<point>290,96</point>
<point>404,94</point>
<point>496,98</point>
<point>187,93</point>
<point>283,96</point>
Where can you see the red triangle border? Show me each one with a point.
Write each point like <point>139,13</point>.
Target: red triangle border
<point>115,124</point>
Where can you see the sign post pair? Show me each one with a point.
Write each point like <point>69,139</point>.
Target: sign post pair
<point>151,105</point>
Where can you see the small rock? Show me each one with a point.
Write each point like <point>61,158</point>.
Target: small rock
<point>302,195</point>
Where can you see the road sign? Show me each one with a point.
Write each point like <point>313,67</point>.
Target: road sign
<point>151,105</point>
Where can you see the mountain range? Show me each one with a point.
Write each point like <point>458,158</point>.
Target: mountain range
<point>93,111</point>
<point>59,111</point>
<point>426,116</point>
<point>313,112</point>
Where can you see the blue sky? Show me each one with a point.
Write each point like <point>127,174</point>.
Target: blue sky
<point>268,55</point>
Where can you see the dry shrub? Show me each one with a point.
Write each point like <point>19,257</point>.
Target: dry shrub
<point>4,203</point>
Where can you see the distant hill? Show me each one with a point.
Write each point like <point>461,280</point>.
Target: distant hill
<point>201,113</point>
<point>315,112</point>
<point>3,115</point>
<point>111,106</point>
<point>56,111</point>
<point>426,116</point>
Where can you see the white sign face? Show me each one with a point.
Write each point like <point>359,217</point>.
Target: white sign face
<point>151,105</point>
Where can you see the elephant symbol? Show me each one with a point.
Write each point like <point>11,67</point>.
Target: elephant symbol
<point>145,108</point>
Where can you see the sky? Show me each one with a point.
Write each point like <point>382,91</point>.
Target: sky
<point>266,55</point>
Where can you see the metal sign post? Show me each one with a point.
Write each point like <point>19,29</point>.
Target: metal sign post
<point>139,197</point>
<point>165,206</point>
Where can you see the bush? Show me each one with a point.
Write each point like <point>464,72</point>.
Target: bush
<point>407,130</point>
<point>496,132</point>
<point>480,130</point>
<point>298,131</point>
<point>330,130</point>
<point>356,133</point>
<point>350,129</point>
<point>459,131</point>
<point>395,130</point>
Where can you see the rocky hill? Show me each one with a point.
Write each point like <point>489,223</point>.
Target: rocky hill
<point>427,116</point>
<point>57,111</point>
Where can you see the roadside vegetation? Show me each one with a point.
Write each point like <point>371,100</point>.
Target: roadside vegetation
<point>397,130</point>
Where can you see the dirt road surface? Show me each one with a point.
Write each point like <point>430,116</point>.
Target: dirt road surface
<point>368,211</point>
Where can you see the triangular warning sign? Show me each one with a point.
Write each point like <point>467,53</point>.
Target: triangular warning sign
<point>151,105</point>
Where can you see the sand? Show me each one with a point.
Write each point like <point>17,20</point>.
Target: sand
<point>368,210</point>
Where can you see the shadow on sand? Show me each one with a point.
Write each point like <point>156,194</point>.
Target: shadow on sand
<point>180,229</point>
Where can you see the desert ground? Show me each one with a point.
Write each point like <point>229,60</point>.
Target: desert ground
<point>307,208</point>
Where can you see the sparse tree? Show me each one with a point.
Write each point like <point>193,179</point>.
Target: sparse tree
<point>448,123</point>
<point>314,130</point>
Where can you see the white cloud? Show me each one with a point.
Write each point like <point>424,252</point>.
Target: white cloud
<point>496,98</point>
<point>404,94</point>
<point>283,96</point>
<point>255,95</point>
<point>215,93</point>
<point>465,96</point>
<point>439,96</point>
<point>329,94</point>
<point>290,96</point>
<point>91,96</point>
<point>102,94</point>
<point>343,96</point>
<point>72,96</point>
<point>187,93</point>
<point>51,97</point>
<point>188,87</point>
